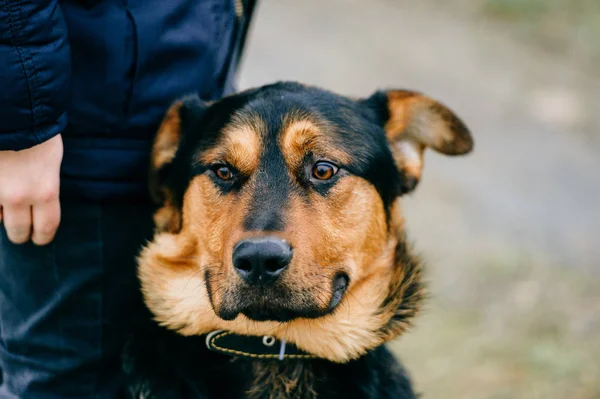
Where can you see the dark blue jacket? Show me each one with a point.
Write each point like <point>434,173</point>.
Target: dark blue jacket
<point>102,73</point>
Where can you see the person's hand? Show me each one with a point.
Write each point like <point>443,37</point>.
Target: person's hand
<point>29,187</point>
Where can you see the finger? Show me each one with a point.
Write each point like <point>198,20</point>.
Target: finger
<point>46,218</point>
<point>17,222</point>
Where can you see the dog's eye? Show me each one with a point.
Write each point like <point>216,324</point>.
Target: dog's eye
<point>223,172</point>
<point>324,170</point>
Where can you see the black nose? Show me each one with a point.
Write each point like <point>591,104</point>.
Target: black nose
<point>260,260</point>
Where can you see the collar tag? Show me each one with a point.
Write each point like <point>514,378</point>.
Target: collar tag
<point>266,347</point>
<point>282,350</point>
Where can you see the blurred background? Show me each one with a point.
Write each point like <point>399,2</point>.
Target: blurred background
<point>511,233</point>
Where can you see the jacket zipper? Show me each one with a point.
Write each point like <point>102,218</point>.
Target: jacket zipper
<point>239,9</point>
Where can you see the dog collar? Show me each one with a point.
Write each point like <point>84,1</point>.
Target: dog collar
<point>265,347</point>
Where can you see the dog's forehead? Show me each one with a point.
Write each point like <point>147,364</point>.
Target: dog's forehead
<point>274,111</point>
<point>304,119</point>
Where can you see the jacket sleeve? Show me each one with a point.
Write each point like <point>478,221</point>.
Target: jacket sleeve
<point>34,72</point>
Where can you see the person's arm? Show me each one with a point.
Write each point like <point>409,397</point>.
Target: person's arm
<point>34,90</point>
<point>34,72</point>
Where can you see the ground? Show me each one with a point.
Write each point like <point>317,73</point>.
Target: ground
<point>510,233</point>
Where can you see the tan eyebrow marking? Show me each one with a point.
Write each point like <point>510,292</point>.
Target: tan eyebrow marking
<point>301,135</point>
<point>239,144</point>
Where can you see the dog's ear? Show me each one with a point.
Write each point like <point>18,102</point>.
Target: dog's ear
<point>163,173</point>
<point>412,122</point>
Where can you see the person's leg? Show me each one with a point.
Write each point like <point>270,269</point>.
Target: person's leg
<point>65,308</point>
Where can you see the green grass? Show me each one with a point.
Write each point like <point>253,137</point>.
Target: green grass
<point>510,329</point>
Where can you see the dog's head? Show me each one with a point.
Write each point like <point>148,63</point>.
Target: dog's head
<point>280,214</point>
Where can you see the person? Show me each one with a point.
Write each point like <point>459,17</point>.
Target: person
<point>84,85</point>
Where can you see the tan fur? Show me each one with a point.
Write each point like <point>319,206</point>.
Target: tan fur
<point>238,145</point>
<point>301,135</point>
<point>167,217</point>
<point>177,296</point>
<point>416,122</point>
<point>167,138</point>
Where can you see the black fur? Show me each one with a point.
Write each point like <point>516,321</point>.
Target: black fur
<point>159,364</point>
<point>267,210</point>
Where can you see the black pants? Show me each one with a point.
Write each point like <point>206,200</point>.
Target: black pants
<point>67,308</point>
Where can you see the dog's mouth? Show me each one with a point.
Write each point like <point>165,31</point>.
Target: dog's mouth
<point>280,304</point>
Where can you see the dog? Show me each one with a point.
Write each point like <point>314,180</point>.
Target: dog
<point>280,267</point>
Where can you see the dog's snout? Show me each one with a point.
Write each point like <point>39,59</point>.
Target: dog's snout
<point>261,260</point>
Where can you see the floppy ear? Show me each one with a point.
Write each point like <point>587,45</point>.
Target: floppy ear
<point>413,122</point>
<point>163,174</point>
